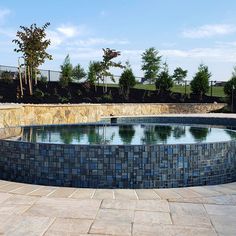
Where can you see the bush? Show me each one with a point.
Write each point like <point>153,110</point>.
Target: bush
<point>43,79</point>
<point>38,93</point>
<point>200,83</point>
<point>164,82</point>
<point>78,73</point>
<point>66,72</point>
<point>228,88</point>
<point>107,98</point>
<point>126,81</point>
<point>7,77</point>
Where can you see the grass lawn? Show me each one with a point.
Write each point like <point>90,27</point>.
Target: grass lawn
<point>217,91</point>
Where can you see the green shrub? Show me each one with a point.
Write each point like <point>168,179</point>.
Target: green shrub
<point>38,93</point>
<point>164,82</point>
<point>107,98</point>
<point>200,83</point>
<point>127,81</point>
<point>228,88</point>
<point>7,77</point>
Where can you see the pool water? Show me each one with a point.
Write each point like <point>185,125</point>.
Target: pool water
<point>125,134</point>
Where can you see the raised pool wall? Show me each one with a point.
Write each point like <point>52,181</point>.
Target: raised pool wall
<point>122,166</point>
<point>118,166</point>
<point>31,114</point>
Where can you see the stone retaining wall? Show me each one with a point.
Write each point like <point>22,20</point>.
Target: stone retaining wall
<point>31,114</point>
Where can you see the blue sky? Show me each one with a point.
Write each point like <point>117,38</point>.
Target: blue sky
<point>185,32</point>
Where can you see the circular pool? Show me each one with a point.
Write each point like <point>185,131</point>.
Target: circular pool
<point>134,153</point>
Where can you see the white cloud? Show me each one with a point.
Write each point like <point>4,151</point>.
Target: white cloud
<point>206,31</point>
<point>55,38</point>
<point>3,13</point>
<point>212,53</point>
<point>71,31</point>
<point>97,41</point>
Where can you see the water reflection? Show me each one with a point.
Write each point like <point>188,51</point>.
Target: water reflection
<point>199,133</point>
<point>179,131</point>
<point>124,134</point>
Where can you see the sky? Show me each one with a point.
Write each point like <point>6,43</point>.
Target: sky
<point>185,32</point>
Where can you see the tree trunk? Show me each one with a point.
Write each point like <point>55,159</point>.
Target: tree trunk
<point>30,82</point>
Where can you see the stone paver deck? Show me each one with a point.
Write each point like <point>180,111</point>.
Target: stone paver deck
<point>54,211</point>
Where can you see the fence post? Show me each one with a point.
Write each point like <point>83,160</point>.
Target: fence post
<point>185,88</point>
<point>49,74</point>
<point>211,87</point>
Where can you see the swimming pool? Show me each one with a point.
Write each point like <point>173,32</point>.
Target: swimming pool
<point>131,154</point>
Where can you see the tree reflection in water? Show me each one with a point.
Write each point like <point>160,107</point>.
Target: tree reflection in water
<point>126,133</point>
<point>199,133</point>
<point>179,131</point>
<point>155,133</point>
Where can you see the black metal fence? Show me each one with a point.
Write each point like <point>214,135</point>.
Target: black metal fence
<point>49,75</point>
<point>216,87</point>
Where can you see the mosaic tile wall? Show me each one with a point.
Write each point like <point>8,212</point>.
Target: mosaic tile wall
<point>126,166</point>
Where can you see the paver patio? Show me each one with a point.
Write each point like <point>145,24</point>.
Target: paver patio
<point>41,210</point>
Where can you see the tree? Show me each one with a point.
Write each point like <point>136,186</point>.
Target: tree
<point>107,63</point>
<point>151,64</point>
<point>94,72</point>
<point>78,73</point>
<point>164,81</point>
<point>66,72</point>
<point>32,44</point>
<point>229,86</point>
<point>200,83</point>
<point>127,81</point>
<point>179,75</point>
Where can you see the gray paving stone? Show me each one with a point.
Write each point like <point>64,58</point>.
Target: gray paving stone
<point>69,226</point>
<point>111,228</point>
<point>104,194</point>
<point>62,192</point>
<point>65,208</point>
<point>187,209</point>
<point>170,230</point>
<point>115,215</point>
<point>21,200</point>
<point>222,189</point>
<point>127,194</point>
<point>146,194</point>
<point>220,209</point>
<point>153,205</point>
<point>222,199</point>
<point>26,189</point>
<point>205,191</point>
<point>43,191</point>
<point>152,217</point>
<point>167,193</point>
<point>4,196</point>
<point>224,224</point>
<point>13,208</point>
<point>191,220</point>
<point>83,193</point>
<point>119,204</point>
<point>10,187</point>
<point>26,225</point>
<point>186,192</point>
